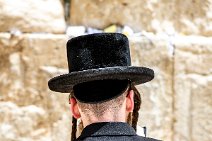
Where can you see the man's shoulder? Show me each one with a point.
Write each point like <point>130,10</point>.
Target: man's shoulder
<point>140,138</point>
<point>118,138</point>
<point>111,131</point>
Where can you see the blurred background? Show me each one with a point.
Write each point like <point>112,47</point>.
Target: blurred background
<point>174,37</point>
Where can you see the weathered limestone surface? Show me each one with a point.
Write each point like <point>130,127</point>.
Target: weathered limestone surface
<point>22,122</point>
<point>186,17</point>
<point>156,109</point>
<point>193,87</point>
<point>32,16</point>
<point>31,111</point>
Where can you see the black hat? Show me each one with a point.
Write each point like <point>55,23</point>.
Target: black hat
<point>100,56</point>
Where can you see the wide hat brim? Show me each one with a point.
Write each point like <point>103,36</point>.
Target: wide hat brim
<point>137,75</point>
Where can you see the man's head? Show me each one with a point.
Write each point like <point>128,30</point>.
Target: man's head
<point>123,107</point>
<point>116,109</point>
<point>101,57</point>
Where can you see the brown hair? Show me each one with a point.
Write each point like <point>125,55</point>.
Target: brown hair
<point>74,121</point>
<point>74,129</point>
<point>137,105</point>
<point>132,118</point>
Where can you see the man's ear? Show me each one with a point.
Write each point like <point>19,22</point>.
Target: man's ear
<point>74,108</point>
<point>130,101</point>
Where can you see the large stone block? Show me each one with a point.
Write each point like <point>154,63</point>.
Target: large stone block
<point>193,87</point>
<point>44,56</point>
<point>32,16</point>
<point>186,17</point>
<point>23,81</point>
<point>22,123</point>
<point>156,110</point>
<point>10,65</point>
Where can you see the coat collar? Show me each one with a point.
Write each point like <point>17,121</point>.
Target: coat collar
<point>107,129</point>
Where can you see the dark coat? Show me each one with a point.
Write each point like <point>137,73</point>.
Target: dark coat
<point>110,131</point>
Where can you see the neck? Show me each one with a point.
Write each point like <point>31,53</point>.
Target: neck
<point>106,117</point>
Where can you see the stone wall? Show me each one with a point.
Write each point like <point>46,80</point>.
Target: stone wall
<point>32,16</point>
<point>192,88</point>
<point>185,17</point>
<point>176,104</point>
<point>156,110</point>
<point>29,110</point>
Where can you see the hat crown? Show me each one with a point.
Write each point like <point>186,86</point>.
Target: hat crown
<point>98,51</point>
